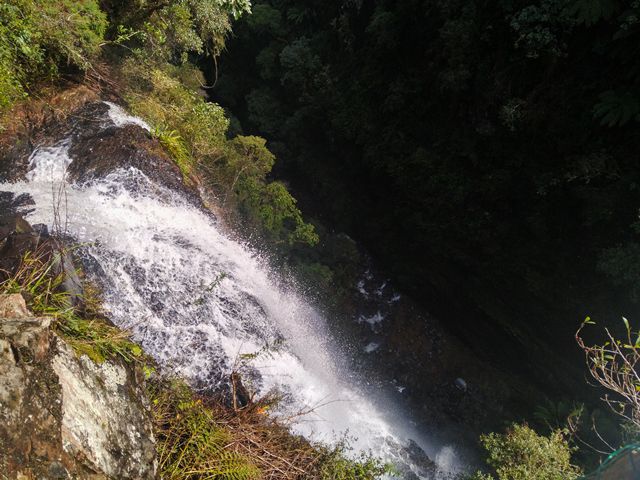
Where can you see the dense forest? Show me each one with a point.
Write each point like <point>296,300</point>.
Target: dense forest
<point>485,153</point>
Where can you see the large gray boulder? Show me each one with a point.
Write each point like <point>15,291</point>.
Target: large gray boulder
<point>64,416</point>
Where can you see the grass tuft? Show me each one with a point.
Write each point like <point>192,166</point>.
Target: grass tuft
<point>175,145</point>
<point>39,281</point>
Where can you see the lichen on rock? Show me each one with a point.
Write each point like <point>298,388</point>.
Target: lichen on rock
<point>104,420</point>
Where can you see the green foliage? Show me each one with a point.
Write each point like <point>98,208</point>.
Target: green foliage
<point>542,28</point>
<point>191,445</point>
<point>300,64</point>
<point>72,30</point>
<point>204,127</point>
<point>622,264</point>
<point>95,338</point>
<point>86,331</point>
<point>254,155</point>
<point>555,415</point>
<point>522,454</point>
<point>190,129</point>
<point>590,12</point>
<point>236,8</point>
<point>173,143</point>
<point>194,133</point>
<point>318,275</point>
<point>273,207</point>
<point>457,140</point>
<point>158,94</point>
<point>169,31</point>
<point>335,464</point>
<point>161,96</point>
<point>617,108</point>
<point>38,37</point>
<point>265,19</point>
<point>269,205</point>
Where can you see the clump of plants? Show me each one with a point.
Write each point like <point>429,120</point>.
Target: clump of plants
<point>191,444</point>
<point>194,133</point>
<point>39,279</point>
<point>201,437</point>
<point>38,38</point>
<point>522,454</point>
<point>173,143</point>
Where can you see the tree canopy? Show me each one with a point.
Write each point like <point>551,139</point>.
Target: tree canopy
<point>485,152</point>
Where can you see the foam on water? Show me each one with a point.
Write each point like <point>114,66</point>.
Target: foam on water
<point>49,164</point>
<point>197,300</point>
<point>120,117</point>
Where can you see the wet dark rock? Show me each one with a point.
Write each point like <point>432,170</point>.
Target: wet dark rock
<point>98,154</point>
<point>10,204</point>
<point>422,465</point>
<point>42,123</point>
<point>240,395</point>
<point>461,384</point>
<point>57,471</point>
<point>16,237</point>
<point>14,161</point>
<point>41,229</point>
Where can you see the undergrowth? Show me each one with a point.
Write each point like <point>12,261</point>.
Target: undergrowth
<point>202,438</point>
<point>191,445</point>
<point>38,38</point>
<point>194,132</point>
<point>174,144</point>
<point>39,278</point>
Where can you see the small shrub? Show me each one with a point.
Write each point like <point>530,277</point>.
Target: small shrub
<point>173,143</point>
<point>614,365</point>
<point>272,207</point>
<point>334,464</point>
<point>522,454</point>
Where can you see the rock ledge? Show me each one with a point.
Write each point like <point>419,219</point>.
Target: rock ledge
<point>67,417</point>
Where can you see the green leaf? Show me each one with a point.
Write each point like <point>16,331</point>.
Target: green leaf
<point>617,108</point>
<point>136,351</point>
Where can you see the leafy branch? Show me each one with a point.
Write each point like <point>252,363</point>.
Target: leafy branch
<point>614,365</point>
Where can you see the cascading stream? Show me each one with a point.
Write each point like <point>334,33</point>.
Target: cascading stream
<point>198,300</point>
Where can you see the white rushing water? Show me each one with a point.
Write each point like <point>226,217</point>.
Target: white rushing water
<point>198,300</point>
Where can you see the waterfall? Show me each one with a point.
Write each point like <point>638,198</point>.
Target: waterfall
<point>200,301</point>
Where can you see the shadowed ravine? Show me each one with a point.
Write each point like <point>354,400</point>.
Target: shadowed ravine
<point>197,300</point>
